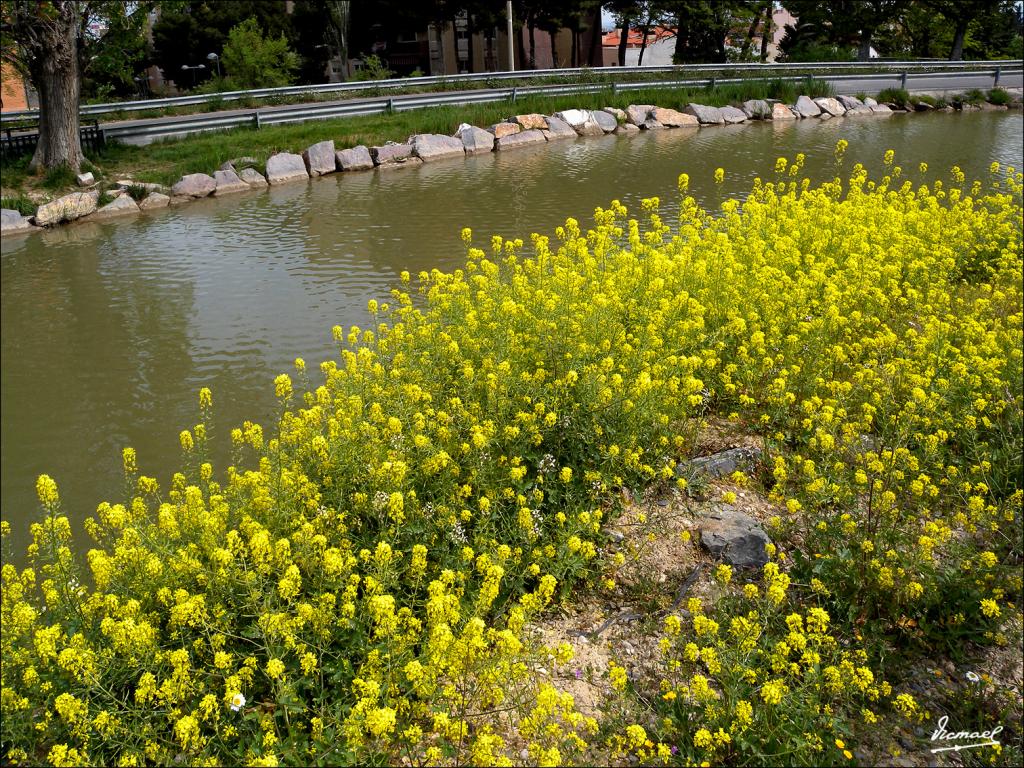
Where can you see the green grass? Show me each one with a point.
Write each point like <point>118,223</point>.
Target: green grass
<point>19,203</point>
<point>58,178</point>
<point>999,96</point>
<point>166,161</point>
<point>898,96</point>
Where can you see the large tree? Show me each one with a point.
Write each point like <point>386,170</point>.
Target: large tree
<point>53,43</point>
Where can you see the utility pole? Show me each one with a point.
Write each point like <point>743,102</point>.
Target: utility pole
<point>511,48</point>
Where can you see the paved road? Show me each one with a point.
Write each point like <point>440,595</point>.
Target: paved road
<point>146,131</point>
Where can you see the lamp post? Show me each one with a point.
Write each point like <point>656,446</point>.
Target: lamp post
<point>186,68</point>
<point>216,60</point>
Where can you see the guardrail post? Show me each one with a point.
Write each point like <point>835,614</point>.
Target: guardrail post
<point>903,80</point>
<point>995,77</point>
<point>712,83</point>
<point>391,106</point>
<point>256,120</point>
<point>515,92</point>
<point>614,89</point>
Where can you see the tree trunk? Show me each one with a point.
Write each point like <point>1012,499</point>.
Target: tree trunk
<point>864,52</point>
<point>749,39</point>
<point>766,34</point>
<point>624,41</point>
<point>533,43</point>
<point>554,49</point>
<point>959,34</point>
<point>574,57</point>
<point>470,48</point>
<point>595,55</point>
<point>643,41</point>
<point>55,77</point>
<point>520,49</point>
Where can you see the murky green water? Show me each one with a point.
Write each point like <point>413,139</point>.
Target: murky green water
<point>109,330</point>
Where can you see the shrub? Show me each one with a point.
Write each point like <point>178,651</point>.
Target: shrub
<point>999,96</point>
<point>253,61</point>
<point>373,69</point>
<point>356,586</point>
<point>20,203</point>
<point>898,96</point>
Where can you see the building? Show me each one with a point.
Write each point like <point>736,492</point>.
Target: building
<point>661,43</point>
<point>15,93</point>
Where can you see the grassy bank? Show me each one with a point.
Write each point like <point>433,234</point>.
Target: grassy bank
<point>359,586</point>
<point>166,161</point>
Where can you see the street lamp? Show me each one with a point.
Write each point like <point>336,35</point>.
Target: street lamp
<point>186,68</point>
<point>216,60</point>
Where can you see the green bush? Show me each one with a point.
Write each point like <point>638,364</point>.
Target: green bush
<point>251,60</point>
<point>999,96</point>
<point>898,96</point>
<point>19,203</point>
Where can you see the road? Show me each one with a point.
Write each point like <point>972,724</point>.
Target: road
<point>146,131</point>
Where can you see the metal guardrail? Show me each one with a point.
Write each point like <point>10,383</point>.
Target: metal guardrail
<point>444,80</point>
<point>146,132</point>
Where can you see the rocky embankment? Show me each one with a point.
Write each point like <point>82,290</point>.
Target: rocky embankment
<point>322,158</point>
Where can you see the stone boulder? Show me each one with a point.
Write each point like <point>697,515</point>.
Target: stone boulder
<point>618,114</point>
<point>869,102</point>
<point>253,178</point>
<point>228,182</point>
<point>194,185</point>
<point>119,207</point>
<point>881,109</point>
<point>558,129</point>
<point>830,105</point>
<point>434,146</point>
<point>522,139</point>
<point>757,109</point>
<point>476,141</point>
<point>319,158</point>
<point>636,114</point>
<point>12,221</point>
<point>671,118</point>
<point>125,184</point>
<point>805,107</point>
<point>604,119</point>
<point>782,112</point>
<point>734,537</point>
<point>155,200</point>
<point>650,124</point>
<point>85,179</point>
<point>923,106</point>
<point>626,129</point>
<point>406,162</point>
<point>285,167</point>
<point>501,130</point>
<point>582,121</point>
<point>732,115</point>
<point>354,159</point>
<point>67,208</point>
<point>850,102</point>
<point>529,122</point>
<point>721,464</point>
<point>704,114</point>
<point>391,153</point>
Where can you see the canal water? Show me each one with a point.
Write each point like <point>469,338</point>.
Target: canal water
<point>110,330</point>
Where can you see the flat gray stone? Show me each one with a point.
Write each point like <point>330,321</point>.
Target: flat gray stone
<point>319,158</point>
<point>476,141</point>
<point>253,178</point>
<point>124,184</point>
<point>672,118</point>
<point>582,121</point>
<point>732,115</point>
<point>285,167</point>
<point>85,179</point>
<point>830,105</point>
<point>805,107</point>
<point>705,114</point>
<point>782,112</point>
<point>119,207</point>
<point>850,102</point>
<point>155,200</point>
<point>721,464</point>
<point>607,121</point>
<point>228,183</point>
<point>618,114</point>
<point>650,124</point>
<point>880,109</point>
<point>626,129</point>
<point>406,162</point>
<point>735,537</point>
<point>67,208</point>
<point>391,153</point>
<point>522,139</point>
<point>869,102</point>
<point>558,129</point>
<point>354,159</point>
<point>757,109</point>
<point>637,114</point>
<point>194,185</point>
<point>435,146</point>
<point>12,221</point>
